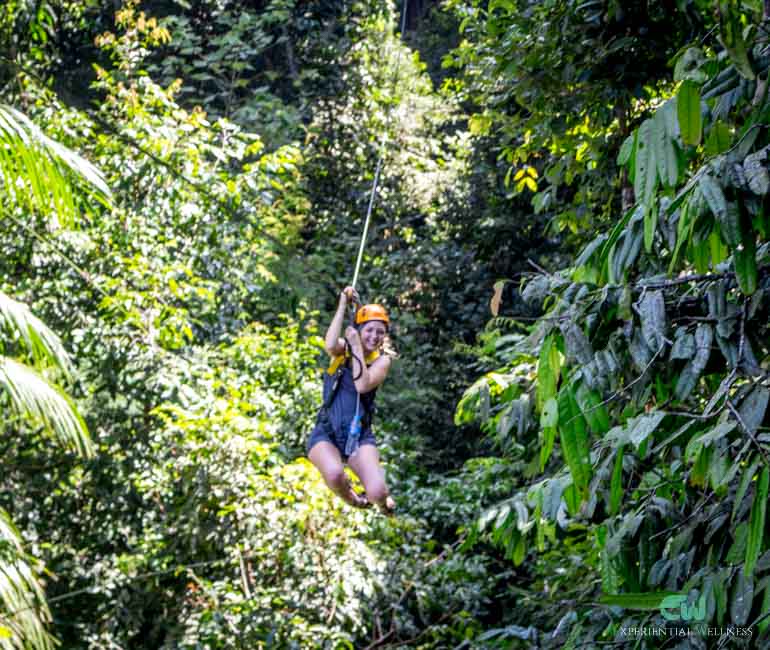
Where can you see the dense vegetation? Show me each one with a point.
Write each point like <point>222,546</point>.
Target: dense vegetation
<point>570,232</point>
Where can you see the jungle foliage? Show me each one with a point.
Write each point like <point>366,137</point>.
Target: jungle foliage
<point>635,405</point>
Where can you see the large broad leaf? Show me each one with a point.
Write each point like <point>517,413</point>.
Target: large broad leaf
<point>593,408</point>
<point>715,199</point>
<point>688,66</point>
<point>548,370</point>
<point>616,482</point>
<point>742,598</point>
<point>650,224</point>
<point>719,138</point>
<point>653,316</point>
<point>746,478</point>
<point>646,176</point>
<point>757,523</point>
<point>627,149</point>
<point>745,263</point>
<point>753,407</point>
<point>756,172</point>
<point>32,396</point>
<point>663,139</point>
<point>688,112</point>
<point>636,430</point>
<point>688,379</point>
<point>574,441</point>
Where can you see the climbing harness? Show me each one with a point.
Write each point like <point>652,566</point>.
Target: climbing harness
<point>336,369</point>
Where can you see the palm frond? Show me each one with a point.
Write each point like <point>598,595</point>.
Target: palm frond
<point>40,341</point>
<point>23,609</point>
<point>32,396</point>
<point>34,169</point>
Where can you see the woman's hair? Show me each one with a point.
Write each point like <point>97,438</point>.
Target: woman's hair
<point>387,346</point>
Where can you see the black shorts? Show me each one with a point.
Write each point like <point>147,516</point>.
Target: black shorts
<point>323,431</point>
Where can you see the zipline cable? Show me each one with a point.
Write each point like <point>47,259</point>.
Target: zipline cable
<point>381,156</point>
<point>356,422</point>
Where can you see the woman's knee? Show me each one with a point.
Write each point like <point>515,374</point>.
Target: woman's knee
<point>335,477</point>
<point>377,492</point>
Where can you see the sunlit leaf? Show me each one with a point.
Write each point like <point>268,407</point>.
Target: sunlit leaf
<point>689,113</point>
<point>32,396</point>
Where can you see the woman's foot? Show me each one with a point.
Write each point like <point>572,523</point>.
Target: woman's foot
<point>388,507</point>
<point>357,500</point>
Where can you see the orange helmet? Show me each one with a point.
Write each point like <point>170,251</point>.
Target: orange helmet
<point>372,312</point>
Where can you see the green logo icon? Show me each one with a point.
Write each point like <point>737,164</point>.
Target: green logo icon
<point>675,608</point>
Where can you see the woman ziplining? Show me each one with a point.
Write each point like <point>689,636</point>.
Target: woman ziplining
<point>343,429</point>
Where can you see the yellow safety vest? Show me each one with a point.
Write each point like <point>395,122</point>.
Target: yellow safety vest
<point>337,361</point>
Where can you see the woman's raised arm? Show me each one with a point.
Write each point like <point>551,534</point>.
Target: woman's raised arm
<point>333,342</point>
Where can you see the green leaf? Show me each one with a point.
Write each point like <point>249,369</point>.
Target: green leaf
<point>617,230</point>
<point>719,139</point>
<point>549,417</point>
<point>745,264</point>
<point>683,233</point>
<point>721,584</point>
<point>637,429</point>
<point>37,169</point>
<point>574,441</point>
<point>757,176</point>
<point>32,396</point>
<point>737,551</point>
<point>689,376</point>
<point>764,611</point>
<point>520,550</point>
<point>22,598</point>
<point>641,427</point>
<point>616,482</point>
<point>688,113</point>
<point>653,316</point>
<point>753,407</point>
<point>688,66</point>
<point>742,599</point>
<point>684,345</point>
<point>743,487</point>
<point>548,370</point>
<point>646,177</point>
<point>595,413</point>
<point>627,150</point>
<point>546,445</point>
<point>650,224</point>
<point>757,523</point>
<point>637,601</point>
<point>719,431</point>
<point>38,339</point>
<point>663,140</point>
<point>715,198</point>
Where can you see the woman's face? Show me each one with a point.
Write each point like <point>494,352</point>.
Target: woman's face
<point>373,334</point>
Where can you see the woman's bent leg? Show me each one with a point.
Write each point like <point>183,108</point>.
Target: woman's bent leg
<point>326,457</point>
<point>366,464</point>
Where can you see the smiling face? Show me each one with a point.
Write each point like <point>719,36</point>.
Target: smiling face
<point>372,335</point>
